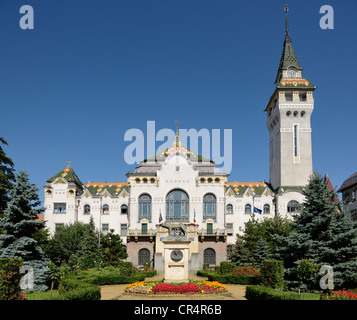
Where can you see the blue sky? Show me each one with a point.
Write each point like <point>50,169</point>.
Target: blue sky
<point>91,70</point>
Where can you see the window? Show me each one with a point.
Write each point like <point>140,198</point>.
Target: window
<point>145,180</point>
<point>209,180</point>
<point>295,140</point>
<point>302,114</point>
<point>209,207</point>
<point>59,208</point>
<point>124,209</point>
<point>123,229</point>
<point>217,180</point>
<point>229,209</point>
<point>295,113</point>
<point>152,180</point>
<point>248,209</point>
<point>288,113</point>
<point>302,96</point>
<point>347,197</point>
<point>143,256</point>
<point>288,96</point>
<point>202,180</point>
<point>209,256</point>
<point>145,207</point>
<point>229,227</point>
<point>177,206</point>
<point>105,209</point>
<point>293,206</point>
<point>58,225</point>
<point>86,209</point>
<point>105,228</point>
<point>266,209</point>
<point>144,228</point>
<point>137,180</point>
<point>209,228</point>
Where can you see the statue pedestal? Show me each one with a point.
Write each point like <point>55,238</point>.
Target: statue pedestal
<point>176,258</point>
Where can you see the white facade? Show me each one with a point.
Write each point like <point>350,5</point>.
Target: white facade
<point>181,186</point>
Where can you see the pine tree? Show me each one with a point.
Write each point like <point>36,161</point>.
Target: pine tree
<point>113,250</point>
<point>89,255</point>
<point>322,233</point>
<point>7,176</point>
<point>19,225</point>
<point>261,252</point>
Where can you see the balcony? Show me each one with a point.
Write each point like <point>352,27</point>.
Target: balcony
<point>210,234</point>
<point>140,234</point>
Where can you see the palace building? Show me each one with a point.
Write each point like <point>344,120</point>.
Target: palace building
<point>180,186</point>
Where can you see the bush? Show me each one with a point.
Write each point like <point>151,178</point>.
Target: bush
<point>226,267</point>
<point>265,293</point>
<point>126,268</point>
<point>245,271</point>
<point>10,279</point>
<point>74,289</point>
<point>233,279</point>
<point>272,273</point>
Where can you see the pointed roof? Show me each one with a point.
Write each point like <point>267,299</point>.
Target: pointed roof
<point>288,57</point>
<point>352,180</point>
<point>68,174</point>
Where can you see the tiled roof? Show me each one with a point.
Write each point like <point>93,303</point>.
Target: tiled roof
<point>352,180</point>
<point>295,83</point>
<point>288,57</point>
<point>113,188</point>
<point>68,174</point>
<point>283,189</point>
<point>239,188</point>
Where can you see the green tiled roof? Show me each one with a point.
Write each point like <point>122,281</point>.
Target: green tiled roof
<point>239,188</point>
<point>288,57</point>
<point>113,188</point>
<point>283,189</point>
<point>68,174</point>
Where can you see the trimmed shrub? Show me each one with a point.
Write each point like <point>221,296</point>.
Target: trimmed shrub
<point>74,289</point>
<point>233,279</point>
<point>226,267</point>
<point>10,279</point>
<point>272,273</point>
<point>265,293</point>
<point>126,268</point>
<point>245,271</point>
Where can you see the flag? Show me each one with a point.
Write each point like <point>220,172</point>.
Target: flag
<point>194,216</point>
<point>257,210</point>
<point>101,209</point>
<point>160,217</point>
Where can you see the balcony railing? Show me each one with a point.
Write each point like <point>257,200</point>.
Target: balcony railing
<point>140,232</point>
<point>212,232</point>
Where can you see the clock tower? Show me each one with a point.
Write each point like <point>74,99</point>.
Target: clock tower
<point>288,120</point>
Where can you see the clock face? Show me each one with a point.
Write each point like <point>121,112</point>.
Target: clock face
<point>176,255</point>
<point>292,73</point>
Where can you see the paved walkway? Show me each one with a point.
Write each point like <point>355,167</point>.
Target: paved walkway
<point>116,292</point>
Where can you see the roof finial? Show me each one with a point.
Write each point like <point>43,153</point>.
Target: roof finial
<point>69,163</point>
<point>177,122</point>
<point>286,10</point>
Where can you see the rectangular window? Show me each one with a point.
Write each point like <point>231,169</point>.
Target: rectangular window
<point>59,208</point>
<point>209,228</point>
<point>144,228</point>
<point>105,228</point>
<point>295,141</point>
<point>229,227</point>
<point>58,225</point>
<point>123,229</point>
<point>288,96</point>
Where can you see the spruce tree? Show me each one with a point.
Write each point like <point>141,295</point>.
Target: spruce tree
<point>322,233</point>
<point>261,252</point>
<point>19,225</point>
<point>7,176</point>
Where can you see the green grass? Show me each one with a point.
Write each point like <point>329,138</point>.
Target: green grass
<point>44,295</point>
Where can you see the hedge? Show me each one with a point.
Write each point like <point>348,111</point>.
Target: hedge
<point>233,279</point>
<point>74,289</point>
<point>10,279</point>
<point>272,273</point>
<point>265,293</point>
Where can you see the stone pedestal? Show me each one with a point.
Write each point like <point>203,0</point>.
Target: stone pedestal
<point>176,253</point>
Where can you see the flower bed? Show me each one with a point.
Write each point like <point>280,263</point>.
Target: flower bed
<point>344,295</point>
<point>157,288</point>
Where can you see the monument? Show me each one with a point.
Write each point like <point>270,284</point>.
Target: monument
<point>176,253</point>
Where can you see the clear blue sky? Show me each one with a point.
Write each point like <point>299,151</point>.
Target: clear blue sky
<point>90,70</point>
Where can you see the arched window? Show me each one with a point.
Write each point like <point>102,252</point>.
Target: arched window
<point>266,209</point>
<point>152,180</point>
<point>86,209</point>
<point>229,208</point>
<point>145,180</point>
<point>137,180</point>
<point>209,180</point>
<point>217,180</point>
<point>143,256</point>
<point>177,206</point>
<point>105,209</point>
<point>209,256</point>
<point>248,209</point>
<point>293,206</point>
<point>209,207</point>
<point>202,180</point>
<point>124,209</point>
<point>145,207</point>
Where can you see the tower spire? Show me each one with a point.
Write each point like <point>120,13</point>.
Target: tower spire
<point>286,10</point>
